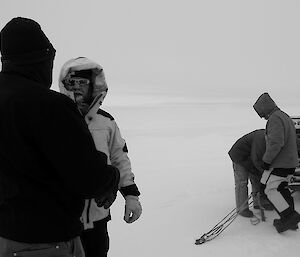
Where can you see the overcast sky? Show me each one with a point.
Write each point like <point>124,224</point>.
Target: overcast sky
<point>204,48</point>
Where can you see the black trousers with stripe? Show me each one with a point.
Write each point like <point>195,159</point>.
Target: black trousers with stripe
<point>96,241</point>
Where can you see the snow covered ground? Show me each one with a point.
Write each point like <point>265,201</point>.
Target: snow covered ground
<point>178,147</point>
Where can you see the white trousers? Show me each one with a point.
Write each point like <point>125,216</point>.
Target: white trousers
<point>274,195</point>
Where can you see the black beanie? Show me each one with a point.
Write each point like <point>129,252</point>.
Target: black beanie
<point>23,41</point>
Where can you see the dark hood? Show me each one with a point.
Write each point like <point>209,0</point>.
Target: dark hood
<point>265,106</point>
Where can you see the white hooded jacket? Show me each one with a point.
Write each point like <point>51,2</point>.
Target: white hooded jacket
<point>106,135</point>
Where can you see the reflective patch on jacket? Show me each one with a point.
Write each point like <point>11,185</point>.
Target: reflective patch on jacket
<point>125,149</point>
<point>105,114</point>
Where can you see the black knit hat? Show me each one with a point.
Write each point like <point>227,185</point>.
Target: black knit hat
<point>23,41</point>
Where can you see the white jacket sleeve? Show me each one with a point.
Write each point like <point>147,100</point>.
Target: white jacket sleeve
<point>119,157</point>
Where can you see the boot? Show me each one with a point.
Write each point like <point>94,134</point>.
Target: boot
<point>277,221</point>
<point>289,222</point>
<point>246,213</point>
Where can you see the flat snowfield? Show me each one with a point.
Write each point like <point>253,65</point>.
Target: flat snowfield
<point>178,149</point>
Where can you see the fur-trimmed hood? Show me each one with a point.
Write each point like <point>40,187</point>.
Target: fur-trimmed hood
<point>83,63</point>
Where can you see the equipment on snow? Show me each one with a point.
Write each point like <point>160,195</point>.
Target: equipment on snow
<point>228,219</point>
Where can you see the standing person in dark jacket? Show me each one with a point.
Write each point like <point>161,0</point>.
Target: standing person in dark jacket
<point>279,161</point>
<point>45,174</point>
<point>246,155</point>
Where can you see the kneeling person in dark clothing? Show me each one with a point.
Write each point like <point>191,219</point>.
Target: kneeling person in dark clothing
<point>246,155</point>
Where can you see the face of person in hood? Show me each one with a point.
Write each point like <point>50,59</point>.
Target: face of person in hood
<point>82,89</point>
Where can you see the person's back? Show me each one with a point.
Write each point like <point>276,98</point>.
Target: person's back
<point>281,143</point>
<point>43,187</point>
<point>285,147</point>
<point>248,151</point>
<point>246,155</point>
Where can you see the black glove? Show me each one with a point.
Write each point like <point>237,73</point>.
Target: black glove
<point>266,166</point>
<point>106,201</point>
<point>109,197</point>
<point>262,188</point>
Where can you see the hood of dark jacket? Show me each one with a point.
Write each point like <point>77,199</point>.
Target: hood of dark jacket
<point>265,106</point>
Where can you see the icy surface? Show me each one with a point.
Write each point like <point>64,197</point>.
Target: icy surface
<point>178,148</point>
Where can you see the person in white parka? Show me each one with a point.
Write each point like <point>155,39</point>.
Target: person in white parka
<point>83,80</point>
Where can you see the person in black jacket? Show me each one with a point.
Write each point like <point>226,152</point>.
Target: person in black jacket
<point>49,163</point>
<point>246,155</point>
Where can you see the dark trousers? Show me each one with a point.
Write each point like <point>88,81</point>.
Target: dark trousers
<point>96,241</point>
<point>9,248</point>
<point>241,177</point>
